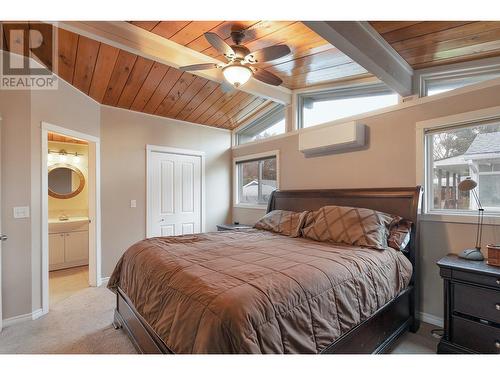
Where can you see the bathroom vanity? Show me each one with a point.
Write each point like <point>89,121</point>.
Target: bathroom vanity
<point>68,243</point>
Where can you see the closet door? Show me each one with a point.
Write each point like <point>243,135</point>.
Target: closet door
<point>175,191</point>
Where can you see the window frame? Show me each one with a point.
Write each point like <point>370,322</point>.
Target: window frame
<point>360,90</point>
<point>424,168</point>
<point>269,116</point>
<point>426,78</point>
<point>236,176</point>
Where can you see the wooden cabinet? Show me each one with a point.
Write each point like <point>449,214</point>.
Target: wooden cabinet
<point>68,249</point>
<point>471,306</point>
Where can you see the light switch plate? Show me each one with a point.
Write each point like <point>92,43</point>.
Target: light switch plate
<point>21,212</point>
<point>133,203</point>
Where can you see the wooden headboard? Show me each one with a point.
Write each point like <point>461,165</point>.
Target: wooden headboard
<point>397,201</point>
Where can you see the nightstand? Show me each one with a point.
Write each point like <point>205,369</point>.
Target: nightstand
<point>471,306</point>
<point>222,227</point>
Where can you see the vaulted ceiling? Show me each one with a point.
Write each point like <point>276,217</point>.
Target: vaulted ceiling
<point>313,60</point>
<point>120,78</point>
<point>432,43</point>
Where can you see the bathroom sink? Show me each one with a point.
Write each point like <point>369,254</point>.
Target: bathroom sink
<point>72,224</point>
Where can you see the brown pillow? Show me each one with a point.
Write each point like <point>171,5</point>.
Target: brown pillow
<point>349,225</point>
<point>287,223</point>
<point>399,234</point>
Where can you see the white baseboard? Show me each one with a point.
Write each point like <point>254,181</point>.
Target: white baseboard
<point>17,319</point>
<point>431,319</point>
<point>37,314</point>
<point>22,318</point>
<point>103,281</point>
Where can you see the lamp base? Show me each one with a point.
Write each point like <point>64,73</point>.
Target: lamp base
<point>471,254</point>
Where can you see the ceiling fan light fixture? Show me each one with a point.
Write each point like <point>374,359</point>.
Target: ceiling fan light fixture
<point>237,74</point>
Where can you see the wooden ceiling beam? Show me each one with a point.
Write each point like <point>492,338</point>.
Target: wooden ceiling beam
<point>136,40</point>
<point>364,45</point>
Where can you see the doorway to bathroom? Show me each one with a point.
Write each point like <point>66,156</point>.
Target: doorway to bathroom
<point>68,205</point>
<point>70,214</point>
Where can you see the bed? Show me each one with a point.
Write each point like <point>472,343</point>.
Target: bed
<point>252,291</point>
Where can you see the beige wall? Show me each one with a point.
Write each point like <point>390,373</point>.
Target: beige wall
<point>389,160</point>
<point>16,252</point>
<point>22,113</point>
<point>124,136</point>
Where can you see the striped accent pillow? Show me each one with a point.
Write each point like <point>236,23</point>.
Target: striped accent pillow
<point>287,223</point>
<point>349,225</point>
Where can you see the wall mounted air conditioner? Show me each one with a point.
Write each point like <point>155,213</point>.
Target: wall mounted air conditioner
<point>332,139</point>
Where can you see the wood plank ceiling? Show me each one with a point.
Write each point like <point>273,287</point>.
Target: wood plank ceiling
<point>118,78</point>
<point>431,43</point>
<point>54,137</point>
<point>313,60</point>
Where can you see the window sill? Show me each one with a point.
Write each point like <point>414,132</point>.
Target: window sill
<point>251,206</point>
<point>445,217</point>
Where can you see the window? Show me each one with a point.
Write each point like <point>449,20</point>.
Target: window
<point>439,83</point>
<point>456,153</point>
<point>321,107</point>
<point>270,124</point>
<point>256,179</point>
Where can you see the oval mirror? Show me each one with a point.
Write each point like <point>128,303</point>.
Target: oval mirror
<point>65,181</point>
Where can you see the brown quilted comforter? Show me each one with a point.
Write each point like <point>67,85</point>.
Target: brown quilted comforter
<point>253,291</point>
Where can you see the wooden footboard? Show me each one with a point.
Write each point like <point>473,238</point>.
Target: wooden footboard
<point>142,336</point>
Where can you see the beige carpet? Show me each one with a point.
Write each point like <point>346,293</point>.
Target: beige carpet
<point>81,323</point>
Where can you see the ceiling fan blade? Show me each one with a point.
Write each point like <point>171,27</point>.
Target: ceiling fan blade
<point>267,54</point>
<point>218,43</point>
<point>190,68</point>
<point>267,77</point>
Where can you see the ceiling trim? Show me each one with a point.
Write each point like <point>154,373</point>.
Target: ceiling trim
<point>364,45</point>
<point>133,39</point>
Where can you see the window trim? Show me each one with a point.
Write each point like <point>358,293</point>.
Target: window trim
<point>423,171</point>
<point>239,159</point>
<point>426,78</point>
<point>364,90</point>
<point>267,116</point>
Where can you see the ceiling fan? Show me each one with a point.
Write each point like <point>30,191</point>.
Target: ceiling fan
<point>239,68</point>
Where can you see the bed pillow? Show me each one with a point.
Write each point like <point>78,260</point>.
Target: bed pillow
<point>349,225</point>
<point>287,223</point>
<point>399,234</point>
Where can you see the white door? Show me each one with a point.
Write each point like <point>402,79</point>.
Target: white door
<point>175,188</point>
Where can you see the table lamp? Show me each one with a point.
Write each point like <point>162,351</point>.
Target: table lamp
<point>473,254</point>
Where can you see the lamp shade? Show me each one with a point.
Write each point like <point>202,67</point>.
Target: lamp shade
<point>237,74</point>
<point>467,185</point>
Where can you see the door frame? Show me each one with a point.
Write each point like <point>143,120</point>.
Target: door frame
<point>179,151</point>
<point>94,192</point>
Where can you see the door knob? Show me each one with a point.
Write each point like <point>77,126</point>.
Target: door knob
<point>3,237</point>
